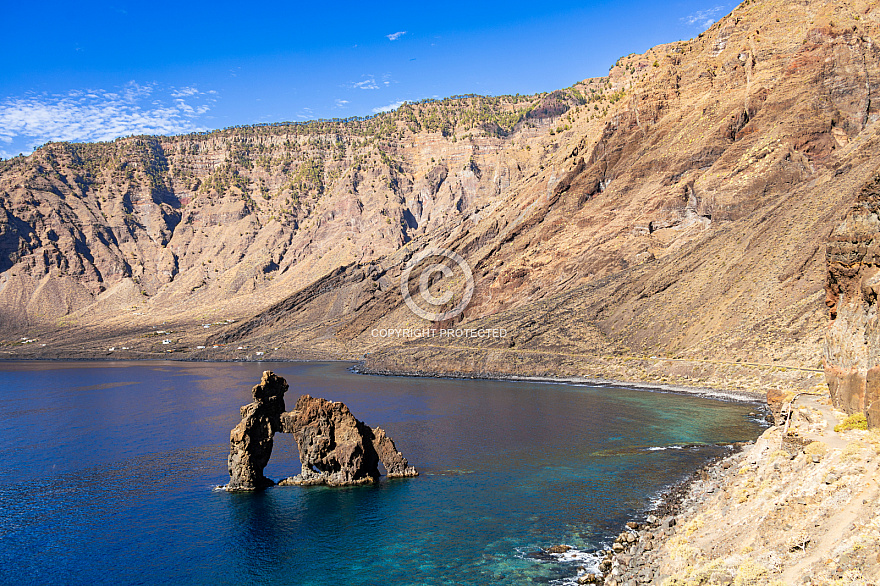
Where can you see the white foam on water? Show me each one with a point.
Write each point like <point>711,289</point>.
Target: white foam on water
<point>589,561</point>
<point>655,501</point>
<point>661,448</point>
<point>583,557</point>
<point>760,419</point>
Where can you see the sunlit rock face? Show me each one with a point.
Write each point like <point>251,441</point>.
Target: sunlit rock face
<point>251,440</point>
<point>335,448</point>
<point>852,343</point>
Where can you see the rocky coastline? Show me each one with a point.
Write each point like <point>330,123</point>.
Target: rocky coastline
<point>796,506</point>
<point>629,559</point>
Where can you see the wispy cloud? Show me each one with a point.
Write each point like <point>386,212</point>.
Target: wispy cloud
<point>703,18</point>
<point>395,36</point>
<point>184,91</point>
<point>389,107</point>
<point>368,83</point>
<point>97,114</point>
<point>341,103</point>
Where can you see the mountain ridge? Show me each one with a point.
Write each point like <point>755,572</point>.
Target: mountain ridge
<point>677,208</point>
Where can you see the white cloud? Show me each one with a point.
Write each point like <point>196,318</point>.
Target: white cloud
<point>185,91</point>
<point>395,36</point>
<point>703,18</point>
<point>96,114</point>
<point>369,83</point>
<point>341,103</point>
<point>389,107</point>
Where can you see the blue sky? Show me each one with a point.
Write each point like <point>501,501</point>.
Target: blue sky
<point>95,71</point>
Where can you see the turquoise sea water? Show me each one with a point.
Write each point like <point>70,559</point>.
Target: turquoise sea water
<point>109,474</point>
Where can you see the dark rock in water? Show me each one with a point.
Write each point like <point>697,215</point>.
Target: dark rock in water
<point>251,440</point>
<point>558,549</point>
<point>334,447</point>
<point>395,464</point>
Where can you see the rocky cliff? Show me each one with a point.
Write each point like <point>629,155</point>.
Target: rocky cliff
<point>335,448</point>
<point>667,220</point>
<point>852,343</point>
<point>780,512</point>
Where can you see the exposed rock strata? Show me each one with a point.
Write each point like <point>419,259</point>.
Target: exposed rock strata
<point>679,209</point>
<point>335,448</point>
<point>852,343</point>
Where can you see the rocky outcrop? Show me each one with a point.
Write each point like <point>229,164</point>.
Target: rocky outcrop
<point>852,343</point>
<point>803,516</point>
<point>335,448</point>
<point>251,440</point>
<point>395,464</point>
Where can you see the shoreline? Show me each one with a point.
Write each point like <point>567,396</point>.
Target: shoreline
<point>737,396</point>
<point>788,508</point>
<point>359,367</point>
<point>654,524</point>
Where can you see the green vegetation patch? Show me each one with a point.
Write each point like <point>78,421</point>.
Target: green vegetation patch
<point>854,421</point>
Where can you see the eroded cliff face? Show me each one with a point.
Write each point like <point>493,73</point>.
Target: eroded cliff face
<point>230,221</point>
<point>677,208</point>
<point>335,448</point>
<point>852,343</point>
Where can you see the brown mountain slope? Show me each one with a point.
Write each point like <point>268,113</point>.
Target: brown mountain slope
<point>677,208</point>
<point>693,225</point>
<point>193,227</point>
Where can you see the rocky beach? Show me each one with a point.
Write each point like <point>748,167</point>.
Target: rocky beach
<point>795,507</point>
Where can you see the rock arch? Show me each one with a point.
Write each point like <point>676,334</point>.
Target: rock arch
<point>335,448</point>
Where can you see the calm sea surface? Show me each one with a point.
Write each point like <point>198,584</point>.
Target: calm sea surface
<point>109,473</point>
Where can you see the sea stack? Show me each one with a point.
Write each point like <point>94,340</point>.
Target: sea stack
<point>251,440</point>
<point>335,448</point>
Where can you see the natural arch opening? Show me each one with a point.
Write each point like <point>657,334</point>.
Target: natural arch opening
<point>334,447</point>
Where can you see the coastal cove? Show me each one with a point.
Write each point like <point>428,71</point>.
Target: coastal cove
<point>112,468</point>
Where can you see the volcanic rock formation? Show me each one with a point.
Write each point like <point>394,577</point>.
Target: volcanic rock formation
<point>335,448</point>
<point>677,207</point>
<point>251,440</point>
<point>852,343</point>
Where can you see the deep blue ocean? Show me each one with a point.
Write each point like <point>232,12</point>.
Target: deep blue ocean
<point>109,475</point>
